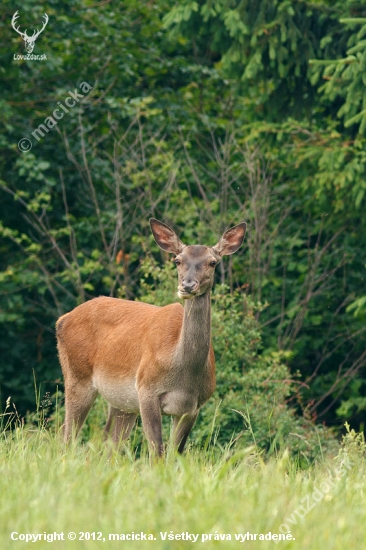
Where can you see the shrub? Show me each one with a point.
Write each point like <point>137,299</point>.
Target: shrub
<point>254,386</point>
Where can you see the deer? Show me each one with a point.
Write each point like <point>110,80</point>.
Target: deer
<point>144,359</point>
<point>28,40</point>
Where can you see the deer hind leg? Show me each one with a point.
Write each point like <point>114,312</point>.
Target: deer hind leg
<point>182,426</point>
<point>119,424</point>
<point>79,397</point>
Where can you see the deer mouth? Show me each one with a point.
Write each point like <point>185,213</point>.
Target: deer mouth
<point>186,295</point>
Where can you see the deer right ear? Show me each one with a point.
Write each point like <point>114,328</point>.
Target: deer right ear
<point>231,240</point>
<point>165,237</point>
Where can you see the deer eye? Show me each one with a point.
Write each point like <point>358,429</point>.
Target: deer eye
<point>213,263</point>
<point>176,261</point>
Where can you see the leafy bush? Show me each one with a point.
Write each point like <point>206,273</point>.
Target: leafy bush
<point>254,388</point>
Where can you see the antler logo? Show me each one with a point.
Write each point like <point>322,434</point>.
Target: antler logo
<point>29,40</point>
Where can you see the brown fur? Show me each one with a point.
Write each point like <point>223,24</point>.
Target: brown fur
<point>145,359</point>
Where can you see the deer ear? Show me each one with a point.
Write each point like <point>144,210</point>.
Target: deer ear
<point>231,240</point>
<point>165,237</point>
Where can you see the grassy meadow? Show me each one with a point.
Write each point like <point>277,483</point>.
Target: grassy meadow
<point>90,488</point>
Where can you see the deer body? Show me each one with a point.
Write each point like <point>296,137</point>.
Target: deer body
<point>141,358</point>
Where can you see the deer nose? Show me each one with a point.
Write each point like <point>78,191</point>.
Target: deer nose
<point>190,285</point>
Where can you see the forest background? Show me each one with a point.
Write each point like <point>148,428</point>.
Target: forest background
<point>202,114</point>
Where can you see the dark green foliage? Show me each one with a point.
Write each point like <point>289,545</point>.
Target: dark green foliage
<point>265,46</point>
<point>346,77</point>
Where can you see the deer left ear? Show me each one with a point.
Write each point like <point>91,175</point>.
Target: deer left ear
<point>165,237</point>
<point>231,240</point>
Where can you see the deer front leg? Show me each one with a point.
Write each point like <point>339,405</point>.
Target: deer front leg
<point>151,421</point>
<point>182,426</point>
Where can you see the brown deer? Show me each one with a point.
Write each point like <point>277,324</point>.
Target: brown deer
<point>145,359</point>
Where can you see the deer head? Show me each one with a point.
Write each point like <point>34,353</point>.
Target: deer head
<point>29,40</point>
<point>196,263</point>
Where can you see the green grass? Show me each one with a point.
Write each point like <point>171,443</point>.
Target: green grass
<point>45,487</point>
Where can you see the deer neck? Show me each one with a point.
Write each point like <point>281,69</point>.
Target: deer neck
<point>195,337</point>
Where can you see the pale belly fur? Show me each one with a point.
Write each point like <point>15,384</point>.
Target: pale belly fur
<point>123,396</point>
